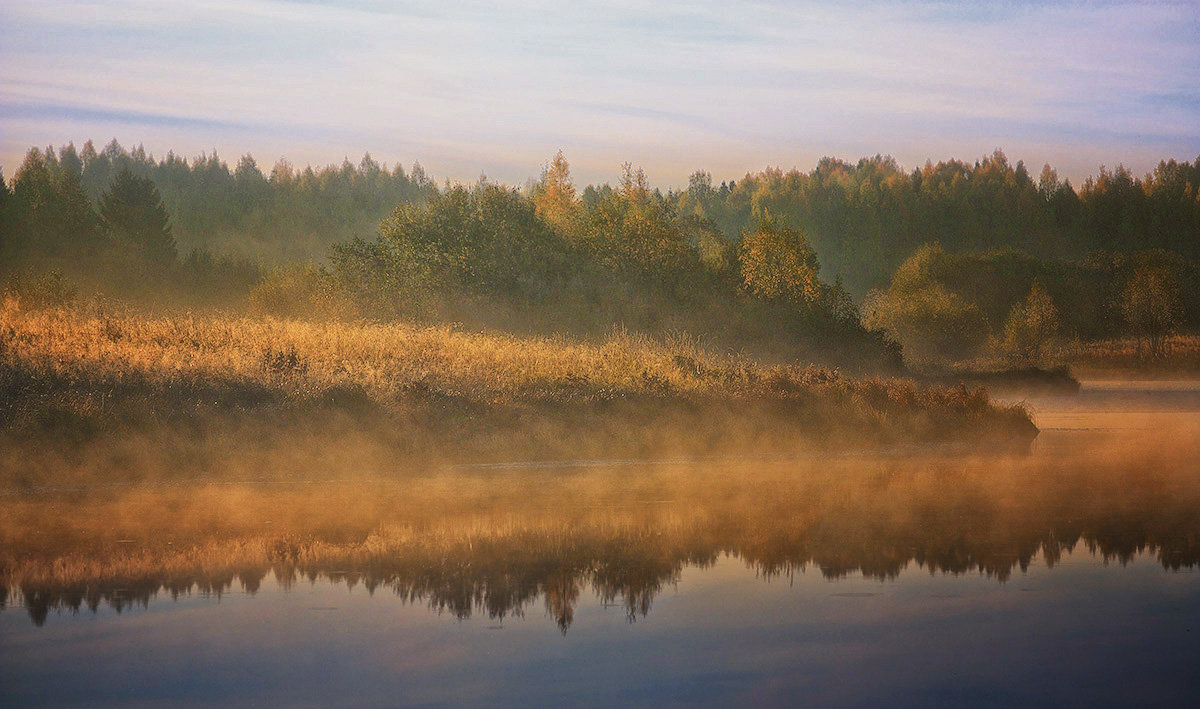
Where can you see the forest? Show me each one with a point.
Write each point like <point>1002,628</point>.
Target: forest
<point>947,263</point>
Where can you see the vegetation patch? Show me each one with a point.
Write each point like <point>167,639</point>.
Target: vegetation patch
<point>91,394</point>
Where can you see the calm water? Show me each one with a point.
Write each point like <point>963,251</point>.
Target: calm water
<point>1066,576</point>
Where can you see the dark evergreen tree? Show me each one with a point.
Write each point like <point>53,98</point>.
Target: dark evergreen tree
<point>7,255</point>
<point>134,216</point>
<point>51,215</point>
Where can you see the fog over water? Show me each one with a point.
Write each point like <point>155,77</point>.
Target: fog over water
<point>1068,573</point>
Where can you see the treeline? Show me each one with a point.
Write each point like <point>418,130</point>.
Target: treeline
<point>547,261</point>
<point>863,219</point>
<point>740,259</point>
<point>1007,304</point>
<point>122,242</point>
<point>539,260</point>
<point>866,218</point>
<point>286,214</point>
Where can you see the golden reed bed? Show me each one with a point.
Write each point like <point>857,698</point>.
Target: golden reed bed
<point>96,394</point>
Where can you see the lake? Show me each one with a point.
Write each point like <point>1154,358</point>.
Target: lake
<point>1067,575</point>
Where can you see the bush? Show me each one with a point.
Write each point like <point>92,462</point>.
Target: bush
<point>1153,308</point>
<point>303,291</point>
<point>1030,328</point>
<point>487,239</point>
<point>47,289</point>
<point>484,255</point>
<point>222,279</point>
<point>931,323</point>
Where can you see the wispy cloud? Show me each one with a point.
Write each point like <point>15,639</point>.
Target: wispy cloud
<point>496,88</point>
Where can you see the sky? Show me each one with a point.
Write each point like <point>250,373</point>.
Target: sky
<point>495,89</point>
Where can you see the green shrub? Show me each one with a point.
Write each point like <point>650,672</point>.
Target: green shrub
<point>302,291</point>
<point>46,289</point>
<point>931,323</point>
<point>1152,307</point>
<point>1030,328</point>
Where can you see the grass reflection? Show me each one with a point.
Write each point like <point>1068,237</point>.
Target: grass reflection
<point>498,542</point>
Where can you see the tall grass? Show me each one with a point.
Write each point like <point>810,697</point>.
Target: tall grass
<point>1128,357</point>
<point>96,392</point>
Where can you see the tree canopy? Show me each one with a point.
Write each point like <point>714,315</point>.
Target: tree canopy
<point>133,213</point>
<point>949,256</point>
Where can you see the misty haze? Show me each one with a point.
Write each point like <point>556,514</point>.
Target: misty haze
<point>755,354</point>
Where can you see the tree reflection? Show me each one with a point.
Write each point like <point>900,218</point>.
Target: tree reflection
<point>622,537</point>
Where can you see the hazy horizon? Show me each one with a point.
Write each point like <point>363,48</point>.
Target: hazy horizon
<point>675,88</point>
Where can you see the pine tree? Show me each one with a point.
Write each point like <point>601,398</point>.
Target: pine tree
<point>6,224</point>
<point>134,216</point>
<point>51,214</point>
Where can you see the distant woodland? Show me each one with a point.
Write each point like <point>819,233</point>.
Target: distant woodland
<point>948,261</point>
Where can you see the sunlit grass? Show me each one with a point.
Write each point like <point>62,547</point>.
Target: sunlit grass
<point>1182,355</point>
<point>96,392</point>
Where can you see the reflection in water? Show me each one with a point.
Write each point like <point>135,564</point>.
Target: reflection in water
<point>497,542</point>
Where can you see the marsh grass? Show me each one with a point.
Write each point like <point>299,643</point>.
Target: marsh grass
<point>96,393</point>
<point>1181,355</point>
<point>1000,379</point>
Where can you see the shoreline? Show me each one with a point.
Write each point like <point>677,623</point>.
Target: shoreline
<point>101,396</point>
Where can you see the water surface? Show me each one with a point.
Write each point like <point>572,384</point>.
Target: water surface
<point>1068,575</point>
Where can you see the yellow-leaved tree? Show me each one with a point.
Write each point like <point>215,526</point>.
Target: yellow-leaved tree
<point>555,198</point>
<point>1153,308</point>
<point>1030,328</point>
<point>777,263</point>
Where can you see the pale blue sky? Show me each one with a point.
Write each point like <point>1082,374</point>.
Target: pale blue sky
<point>496,88</point>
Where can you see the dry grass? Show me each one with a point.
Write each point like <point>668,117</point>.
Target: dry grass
<point>1123,357</point>
<point>95,393</point>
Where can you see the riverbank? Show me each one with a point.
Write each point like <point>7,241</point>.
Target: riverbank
<point>96,393</point>
<point>1129,359</point>
<point>1028,381</point>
